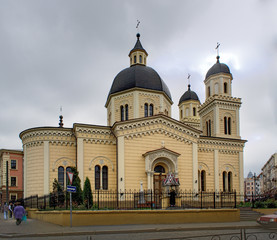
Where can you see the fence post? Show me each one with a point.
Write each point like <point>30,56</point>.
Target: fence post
<point>235,199</point>
<point>214,200</point>
<point>98,199</point>
<point>151,202</point>
<point>37,200</point>
<point>201,198</point>
<point>252,200</point>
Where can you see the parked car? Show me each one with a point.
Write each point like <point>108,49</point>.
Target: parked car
<point>269,221</point>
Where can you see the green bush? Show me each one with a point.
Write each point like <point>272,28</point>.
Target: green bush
<point>270,203</point>
<point>259,204</point>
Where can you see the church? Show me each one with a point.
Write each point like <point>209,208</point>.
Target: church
<point>141,143</point>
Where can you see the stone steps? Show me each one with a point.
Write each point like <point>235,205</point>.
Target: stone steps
<point>247,214</point>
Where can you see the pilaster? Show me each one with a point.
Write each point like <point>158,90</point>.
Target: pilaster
<point>136,104</point>
<point>80,159</point>
<point>25,171</point>
<point>46,167</point>
<point>241,178</point>
<point>121,164</point>
<point>216,171</point>
<point>194,167</point>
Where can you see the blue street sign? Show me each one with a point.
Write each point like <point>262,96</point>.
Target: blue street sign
<point>71,189</point>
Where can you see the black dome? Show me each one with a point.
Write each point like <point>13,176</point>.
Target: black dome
<point>139,76</point>
<point>218,68</point>
<point>188,95</point>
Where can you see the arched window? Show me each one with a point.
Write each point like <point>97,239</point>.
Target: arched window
<point>208,128</point>
<point>122,113</point>
<point>126,112</point>
<point>159,169</point>
<point>229,126</point>
<point>140,59</point>
<point>225,125</point>
<point>225,87</point>
<point>209,91</point>
<point>105,178</point>
<point>135,59</point>
<point>181,113</point>
<point>187,112</point>
<point>68,169</point>
<point>194,111</point>
<point>145,110</point>
<point>216,88</point>
<point>61,176</point>
<point>230,181</point>
<point>203,180</point>
<point>97,177</point>
<point>224,181</point>
<point>151,110</point>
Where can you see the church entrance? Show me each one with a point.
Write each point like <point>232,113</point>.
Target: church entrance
<point>159,176</point>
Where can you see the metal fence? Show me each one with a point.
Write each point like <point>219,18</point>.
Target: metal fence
<point>130,200</point>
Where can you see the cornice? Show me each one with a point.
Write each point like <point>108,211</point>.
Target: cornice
<point>43,132</point>
<point>52,142</point>
<point>221,100</point>
<point>136,89</point>
<point>156,120</point>
<point>222,142</point>
<point>158,131</point>
<point>94,130</point>
<point>100,141</point>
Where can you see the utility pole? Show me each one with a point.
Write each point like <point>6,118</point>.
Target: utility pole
<point>7,181</point>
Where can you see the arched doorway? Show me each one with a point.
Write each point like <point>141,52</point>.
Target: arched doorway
<point>158,178</point>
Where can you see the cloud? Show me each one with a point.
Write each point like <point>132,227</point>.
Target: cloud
<point>68,53</point>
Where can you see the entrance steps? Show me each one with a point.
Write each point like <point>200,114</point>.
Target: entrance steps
<point>247,214</point>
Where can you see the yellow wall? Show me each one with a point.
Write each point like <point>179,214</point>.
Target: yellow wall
<point>229,162</point>
<point>102,155</point>
<point>60,155</point>
<point>135,162</point>
<point>34,172</point>
<point>92,218</point>
<point>206,160</point>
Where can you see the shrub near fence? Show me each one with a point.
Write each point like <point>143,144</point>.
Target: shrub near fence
<point>129,200</point>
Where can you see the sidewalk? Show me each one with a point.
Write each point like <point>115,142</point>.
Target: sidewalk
<point>36,228</point>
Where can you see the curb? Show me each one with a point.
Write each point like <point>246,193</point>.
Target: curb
<point>146,230</point>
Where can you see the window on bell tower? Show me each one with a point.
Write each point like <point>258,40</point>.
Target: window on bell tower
<point>151,110</point>
<point>145,110</point>
<point>227,125</point>
<point>225,87</point>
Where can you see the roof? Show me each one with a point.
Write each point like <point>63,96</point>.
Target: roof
<point>188,95</point>
<point>138,46</point>
<point>138,76</point>
<point>218,68</point>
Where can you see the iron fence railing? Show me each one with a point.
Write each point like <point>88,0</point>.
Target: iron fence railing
<point>129,200</point>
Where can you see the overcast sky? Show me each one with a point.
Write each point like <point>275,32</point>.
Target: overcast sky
<point>67,53</point>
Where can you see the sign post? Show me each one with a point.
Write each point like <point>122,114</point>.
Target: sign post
<point>70,189</point>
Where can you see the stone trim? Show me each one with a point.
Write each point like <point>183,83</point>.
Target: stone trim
<point>102,164</point>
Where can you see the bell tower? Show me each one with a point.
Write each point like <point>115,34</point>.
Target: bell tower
<point>219,113</point>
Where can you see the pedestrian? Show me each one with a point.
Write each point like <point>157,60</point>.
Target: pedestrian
<point>6,209</point>
<point>19,212</point>
<point>10,210</point>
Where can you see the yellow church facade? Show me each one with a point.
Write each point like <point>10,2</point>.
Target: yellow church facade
<point>141,143</point>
